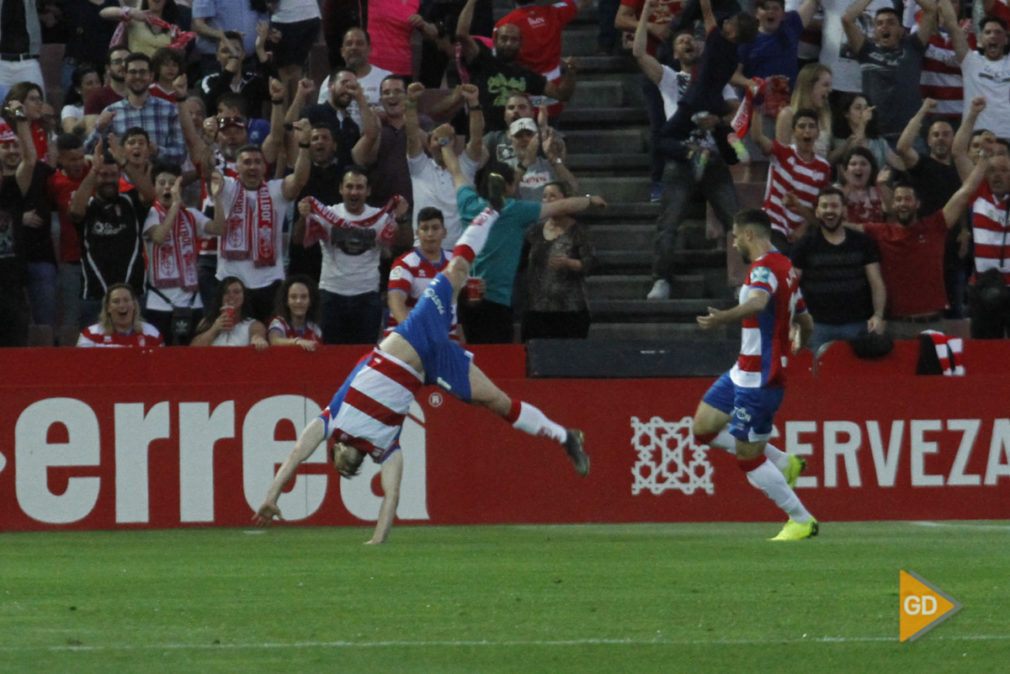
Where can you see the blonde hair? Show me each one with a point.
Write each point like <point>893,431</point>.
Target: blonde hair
<point>803,93</point>
<point>105,320</point>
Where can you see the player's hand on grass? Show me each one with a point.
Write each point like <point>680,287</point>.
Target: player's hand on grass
<point>266,514</point>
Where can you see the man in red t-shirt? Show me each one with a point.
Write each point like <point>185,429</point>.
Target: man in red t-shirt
<point>61,186</point>
<point>541,26</point>
<point>911,256</point>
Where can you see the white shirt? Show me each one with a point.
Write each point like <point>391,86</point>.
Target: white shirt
<point>347,274</point>
<point>177,296</point>
<point>432,186</point>
<point>291,11</point>
<point>252,276</point>
<point>990,79</point>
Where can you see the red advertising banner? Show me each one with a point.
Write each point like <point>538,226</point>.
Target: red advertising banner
<point>120,438</point>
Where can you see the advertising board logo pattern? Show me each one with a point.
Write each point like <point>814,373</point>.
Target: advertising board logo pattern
<point>668,458</point>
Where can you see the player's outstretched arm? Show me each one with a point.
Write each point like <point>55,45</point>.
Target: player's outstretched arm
<point>306,444</point>
<point>391,477</point>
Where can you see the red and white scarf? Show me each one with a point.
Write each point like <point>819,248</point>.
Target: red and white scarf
<point>247,240</point>
<point>180,38</point>
<point>322,217</point>
<point>174,261</point>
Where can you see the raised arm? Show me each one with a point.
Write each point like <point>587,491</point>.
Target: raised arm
<point>474,146</point>
<point>463,23</point>
<point>853,33</point>
<point>928,20</point>
<point>192,136</point>
<point>953,209</point>
<point>159,233</point>
<point>948,19</point>
<point>294,182</point>
<point>757,133</point>
<point>445,136</point>
<point>571,205</point>
<point>302,97</point>
<point>707,15</point>
<point>26,167</point>
<point>564,89</point>
<point>365,150</point>
<point>757,299</point>
<point>215,186</point>
<point>651,66</point>
<point>962,139</point>
<point>411,123</point>
<point>906,142</point>
<point>82,195</point>
<point>806,10</point>
<point>274,141</point>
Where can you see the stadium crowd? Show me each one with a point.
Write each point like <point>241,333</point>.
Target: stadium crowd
<point>189,182</point>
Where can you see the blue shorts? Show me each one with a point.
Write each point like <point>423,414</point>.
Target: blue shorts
<point>751,410</point>
<point>445,362</point>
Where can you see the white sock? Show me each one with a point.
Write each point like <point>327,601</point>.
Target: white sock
<point>769,479</point>
<point>724,440</point>
<point>531,420</point>
<point>777,456</point>
<point>474,236</point>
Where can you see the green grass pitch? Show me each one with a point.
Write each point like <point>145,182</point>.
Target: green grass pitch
<point>580,598</point>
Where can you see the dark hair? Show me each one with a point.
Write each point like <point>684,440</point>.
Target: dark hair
<point>166,167</point>
<point>808,113</point>
<point>430,213</point>
<point>212,311</point>
<point>136,131</point>
<point>504,170</point>
<point>989,18</point>
<point>831,191</point>
<point>170,12</point>
<point>761,4</point>
<point>754,217</point>
<point>746,27</point>
<point>281,299</point>
<point>137,56</point>
<point>112,50</point>
<point>82,70</point>
<point>354,170</point>
<point>563,187</point>
<point>840,126</point>
<point>164,55</point>
<point>69,141</point>
<point>233,35</point>
<point>19,92</point>
<point>233,99</point>
<point>868,156</point>
<point>394,76</point>
<point>249,147</point>
<point>888,10</point>
<point>368,38</point>
<point>905,183</point>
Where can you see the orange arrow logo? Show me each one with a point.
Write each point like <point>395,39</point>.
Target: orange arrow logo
<point>923,606</point>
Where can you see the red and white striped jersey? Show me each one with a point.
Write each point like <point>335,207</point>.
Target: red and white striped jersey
<point>411,273</point>
<point>765,343</point>
<point>941,75</point>
<point>311,331</point>
<point>990,227</point>
<point>790,173</point>
<point>370,406</point>
<point>147,337</point>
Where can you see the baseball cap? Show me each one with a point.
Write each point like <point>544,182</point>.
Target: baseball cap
<point>522,124</point>
<point>7,134</point>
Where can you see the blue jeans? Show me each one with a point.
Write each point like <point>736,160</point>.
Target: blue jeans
<point>350,319</point>
<point>825,332</point>
<point>678,187</point>
<point>42,292</point>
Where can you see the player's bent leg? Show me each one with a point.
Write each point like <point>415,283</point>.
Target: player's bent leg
<point>526,417</point>
<point>708,422</point>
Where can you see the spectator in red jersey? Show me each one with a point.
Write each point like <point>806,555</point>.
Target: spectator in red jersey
<point>412,272</point>
<point>119,322</point>
<point>867,195</point>
<point>540,48</point>
<point>296,315</point>
<point>795,178</point>
<point>113,90</point>
<point>166,65</point>
<point>911,256</point>
<point>31,97</point>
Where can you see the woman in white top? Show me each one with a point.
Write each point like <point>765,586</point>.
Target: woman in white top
<point>85,79</point>
<point>226,321</point>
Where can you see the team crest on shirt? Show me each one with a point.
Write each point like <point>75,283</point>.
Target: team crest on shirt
<point>761,275</point>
